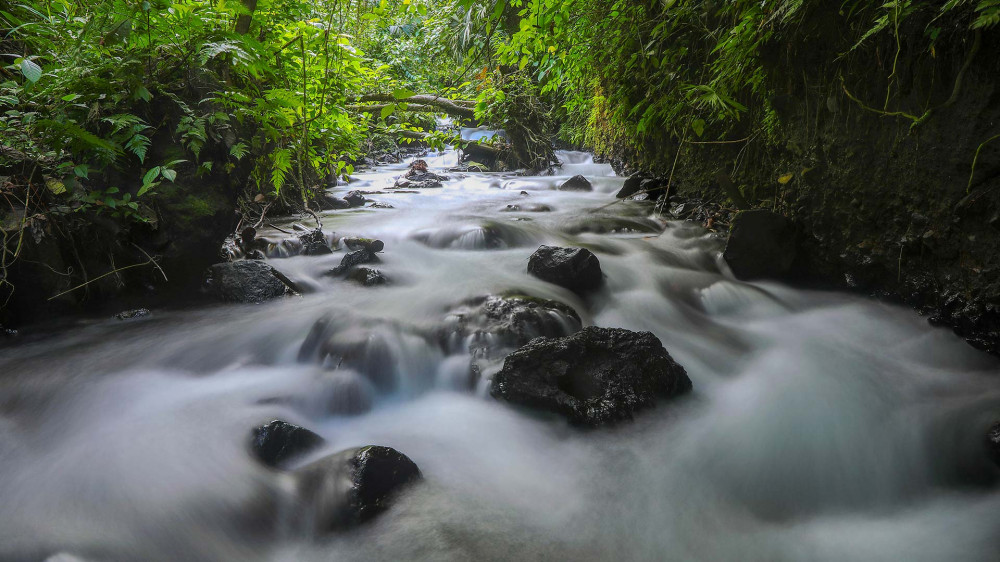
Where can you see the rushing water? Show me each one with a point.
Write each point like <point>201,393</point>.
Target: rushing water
<point>821,426</point>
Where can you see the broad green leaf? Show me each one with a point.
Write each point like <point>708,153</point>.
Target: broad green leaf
<point>150,176</point>
<point>31,71</point>
<point>387,111</point>
<point>81,171</point>
<point>169,175</point>
<point>55,186</point>
<point>403,93</point>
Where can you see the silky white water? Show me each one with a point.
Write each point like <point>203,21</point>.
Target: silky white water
<point>821,426</point>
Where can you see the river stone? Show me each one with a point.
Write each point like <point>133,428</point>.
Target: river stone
<point>351,487</point>
<point>132,314</point>
<point>497,324</point>
<point>595,377</point>
<point>370,244</point>
<point>277,442</point>
<point>355,198</point>
<point>761,245</point>
<point>367,277</point>
<point>631,186</point>
<point>353,259</point>
<point>331,203</point>
<point>576,183</point>
<point>245,281</point>
<point>576,269</point>
<point>993,443</point>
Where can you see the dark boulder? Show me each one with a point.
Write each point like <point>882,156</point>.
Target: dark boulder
<point>315,249</point>
<point>355,198</point>
<point>367,277</point>
<point>529,208</point>
<point>576,183</point>
<point>653,188</point>
<point>331,203</point>
<point>595,377</point>
<point>277,442</point>
<point>762,245</point>
<point>631,187</point>
<point>576,269</point>
<point>993,443</point>
<point>351,487</point>
<point>246,281</point>
<point>353,259</point>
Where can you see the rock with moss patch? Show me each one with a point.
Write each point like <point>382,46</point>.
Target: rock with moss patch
<point>353,259</point>
<point>595,377</point>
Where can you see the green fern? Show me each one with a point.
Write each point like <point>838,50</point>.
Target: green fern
<point>281,164</point>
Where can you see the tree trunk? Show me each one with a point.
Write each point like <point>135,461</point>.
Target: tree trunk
<point>459,108</point>
<point>244,20</point>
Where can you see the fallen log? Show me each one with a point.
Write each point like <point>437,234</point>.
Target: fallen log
<point>460,108</point>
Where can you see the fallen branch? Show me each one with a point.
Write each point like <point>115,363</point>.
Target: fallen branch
<point>461,108</point>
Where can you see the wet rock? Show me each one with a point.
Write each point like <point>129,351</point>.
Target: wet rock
<point>331,203</point>
<point>418,177</point>
<point>606,224</point>
<point>529,208</point>
<point>369,244</point>
<point>993,443</point>
<point>367,276</point>
<point>7,332</point>
<point>576,269</point>
<point>762,245</point>
<point>353,259</point>
<point>595,377</point>
<point>245,281</point>
<point>576,183</point>
<point>278,442</point>
<point>132,314</point>
<point>380,205</point>
<point>353,486</point>
<point>493,325</point>
<point>370,347</point>
<point>314,244</point>
<point>631,187</point>
<point>355,198</point>
<point>349,393</point>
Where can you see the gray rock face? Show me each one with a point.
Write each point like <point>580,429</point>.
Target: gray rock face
<point>331,203</point>
<point>132,314</point>
<point>595,377</point>
<point>762,245</point>
<point>576,183</point>
<point>277,442</point>
<point>576,269</point>
<point>245,281</point>
<point>353,486</point>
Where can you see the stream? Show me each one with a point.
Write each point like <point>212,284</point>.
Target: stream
<point>821,426</point>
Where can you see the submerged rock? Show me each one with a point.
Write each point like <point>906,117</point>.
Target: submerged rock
<point>529,208</point>
<point>761,245</point>
<point>367,276</point>
<point>576,269</point>
<point>245,281</point>
<point>493,325</point>
<point>576,183</point>
<point>351,487</point>
<point>278,442</point>
<point>595,377</point>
